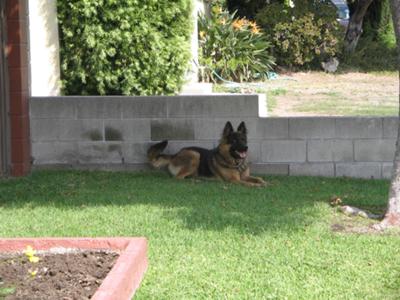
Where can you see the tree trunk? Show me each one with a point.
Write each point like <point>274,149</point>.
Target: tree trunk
<point>392,215</point>
<point>354,28</point>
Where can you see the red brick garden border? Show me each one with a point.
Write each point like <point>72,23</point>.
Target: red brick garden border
<point>16,14</point>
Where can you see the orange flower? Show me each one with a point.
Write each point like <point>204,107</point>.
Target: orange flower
<point>238,23</point>
<point>254,28</point>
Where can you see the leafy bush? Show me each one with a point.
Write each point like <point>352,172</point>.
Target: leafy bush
<point>303,35</point>
<point>233,48</point>
<point>125,47</point>
<point>378,24</point>
<point>376,49</point>
<point>371,55</point>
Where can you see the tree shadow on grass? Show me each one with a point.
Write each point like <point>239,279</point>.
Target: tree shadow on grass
<point>287,203</point>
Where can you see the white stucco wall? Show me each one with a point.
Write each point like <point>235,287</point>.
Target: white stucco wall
<point>44,48</point>
<point>192,75</point>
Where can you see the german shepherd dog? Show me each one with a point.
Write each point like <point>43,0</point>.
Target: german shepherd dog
<point>228,161</point>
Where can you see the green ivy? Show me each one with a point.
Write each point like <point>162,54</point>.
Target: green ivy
<point>128,47</point>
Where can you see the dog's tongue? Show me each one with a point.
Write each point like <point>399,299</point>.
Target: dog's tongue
<point>243,154</point>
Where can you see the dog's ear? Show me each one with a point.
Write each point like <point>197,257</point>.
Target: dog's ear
<point>242,128</point>
<point>228,129</point>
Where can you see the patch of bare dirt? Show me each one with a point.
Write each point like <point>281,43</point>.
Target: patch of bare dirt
<point>358,224</point>
<point>318,93</point>
<point>69,276</point>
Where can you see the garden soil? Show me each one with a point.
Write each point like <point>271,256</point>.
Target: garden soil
<point>68,276</point>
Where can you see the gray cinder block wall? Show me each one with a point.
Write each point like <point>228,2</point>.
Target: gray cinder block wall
<point>115,132</point>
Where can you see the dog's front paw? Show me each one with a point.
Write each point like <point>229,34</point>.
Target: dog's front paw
<point>261,181</point>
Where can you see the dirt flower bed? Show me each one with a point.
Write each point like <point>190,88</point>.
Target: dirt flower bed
<point>64,276</point>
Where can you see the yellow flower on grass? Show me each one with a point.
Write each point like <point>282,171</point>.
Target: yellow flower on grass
<point>33,272</point>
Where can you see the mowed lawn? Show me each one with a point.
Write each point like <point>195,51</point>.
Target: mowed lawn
<point>212,240</point>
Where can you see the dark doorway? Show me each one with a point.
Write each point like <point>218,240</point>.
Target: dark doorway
<point>4,118</point>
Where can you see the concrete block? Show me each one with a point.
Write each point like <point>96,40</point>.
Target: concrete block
<point>359,170</point>
<point>190,106</point>
<point>374,150</point>
<point>390,127</point>
<point>91,152</point>
<point>311,128</point>
<point>283,151</point>
<point>82,130</point>
<point>254,152</point>
<point>250,125</point>
<point>205,129</point>
<point>240,106</point>
<point>172,129</point>
<point>329,150</point>
<point>100,153</point>
<point>127,130</point>
<point>175,146</point>
<point>269,169</point>
<point>144,107</point>
<point>213,106</point>
<point>135,153</point>
<point>212,128</point>
<point>359,127</point>
<point>66,130</point>
<point>54,153</point>
<point>387,170</point>
<point>272,128</point>
<point>99,108</point>
<point>44,129</point>
<point>52,107</point>
<point>313,169</point>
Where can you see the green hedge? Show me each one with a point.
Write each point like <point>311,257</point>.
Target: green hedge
<point>128,47</point>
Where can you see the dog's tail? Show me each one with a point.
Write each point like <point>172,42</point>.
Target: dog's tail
<point>155,157</point>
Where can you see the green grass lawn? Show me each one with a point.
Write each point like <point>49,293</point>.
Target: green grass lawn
<point>212,240</point>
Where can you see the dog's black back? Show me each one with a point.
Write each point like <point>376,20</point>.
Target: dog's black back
<point>205,158</point>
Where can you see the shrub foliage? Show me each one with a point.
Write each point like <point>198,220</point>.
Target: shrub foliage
<point>233,48</point>
<point>302,35</point>
<point>129,47</point>
<point>376,49</point>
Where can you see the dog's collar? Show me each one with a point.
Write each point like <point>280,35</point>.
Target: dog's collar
<point>241,165</point>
